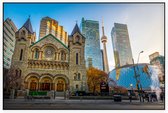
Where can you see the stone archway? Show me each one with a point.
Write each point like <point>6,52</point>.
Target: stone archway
<point>45,82</point>
<point>61,84</point>
<point>32,81</point>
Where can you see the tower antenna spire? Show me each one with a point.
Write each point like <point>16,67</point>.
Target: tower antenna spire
<point>102,26</point>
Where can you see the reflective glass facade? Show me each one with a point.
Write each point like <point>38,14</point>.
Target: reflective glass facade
<point>121,45</point>
<point>90,29</point>
<point>8,42</point>
<point>125,76</point>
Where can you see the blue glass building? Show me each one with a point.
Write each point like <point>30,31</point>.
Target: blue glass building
<point>90,29</point>
<point>125,76</point>
<point>121,45</point>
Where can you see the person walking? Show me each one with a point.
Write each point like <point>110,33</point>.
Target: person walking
<point>67,94</point>
<point>130,96</point>
<point>143,96</point>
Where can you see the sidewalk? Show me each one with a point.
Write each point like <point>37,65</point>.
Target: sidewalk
<point>62,100</point>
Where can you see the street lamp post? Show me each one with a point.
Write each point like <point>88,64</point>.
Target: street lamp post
<point>137,75</point>
<point>131,92</point>
<point>131,86</point>
<point>139,56</point>
<point>136,78</point>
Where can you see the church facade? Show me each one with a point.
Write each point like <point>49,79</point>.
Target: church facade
<point>48,64</point>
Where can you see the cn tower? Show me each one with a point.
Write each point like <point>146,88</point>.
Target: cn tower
<point>104,40</point>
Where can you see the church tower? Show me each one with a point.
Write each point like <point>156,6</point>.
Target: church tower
<point>104,41</point>
<point>77,61</point>
<point>24,38</point>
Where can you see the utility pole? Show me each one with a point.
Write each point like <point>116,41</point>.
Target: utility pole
<point>136,77</point>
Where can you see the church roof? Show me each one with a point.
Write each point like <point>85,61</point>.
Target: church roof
<point>28,25</point>
<point>76,29</point>
<point>52,37</point>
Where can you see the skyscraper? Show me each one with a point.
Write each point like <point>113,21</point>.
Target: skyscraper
<point>159,61</point>
<point>121,45</point>
<point>104,41</point>
<point>50,26</point>
<point>9,42</point>
<point>90,29</point>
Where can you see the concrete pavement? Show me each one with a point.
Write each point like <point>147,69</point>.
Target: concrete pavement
<point>62,104</point>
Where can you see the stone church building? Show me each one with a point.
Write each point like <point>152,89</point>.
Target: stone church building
<point>48,64</point>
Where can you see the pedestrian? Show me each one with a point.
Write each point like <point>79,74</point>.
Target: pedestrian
<point>150,97</point>
<point>130,96</point>
<point>143,96</point>
<point>67,94</point>
<point>155,96</point>
<point>161,97</point>
<point>147,97</point>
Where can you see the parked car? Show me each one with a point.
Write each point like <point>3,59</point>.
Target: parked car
<point>117,98</point>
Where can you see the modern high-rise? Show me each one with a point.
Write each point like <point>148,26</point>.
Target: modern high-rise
<point>51,26</point>
<point>90,29</point>
<point>159,61</point>
<point>9,30</point>
<point>121,45</point>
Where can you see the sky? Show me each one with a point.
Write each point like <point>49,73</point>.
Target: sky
<point>145,22</point>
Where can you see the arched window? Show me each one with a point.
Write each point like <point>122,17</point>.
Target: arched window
<point>77,86</point>
<point>21,54</point>
<point>75,77</point>
<point>62,55</point>
<point>77,58</point>
<point>78,76</point>
<point>58,56</point>
<point>23,32</point>
<point>77,39</point>
<point>16,73</point>
<point>20,73</point>
<point>33,85</point>
<point>36,54</point>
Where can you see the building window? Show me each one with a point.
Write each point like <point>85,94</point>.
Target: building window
<point>20,73</point>
<point>78,76</point>
<point>33,85</point>
<point>60,86</point>
<point>77,86</point>
<point>77,58</point>
<point>77,39</point>
<point>16,73</point>
<point>21,54</point>
<point>45,86</point>
<point>75,77</point>
<point>63,55</point>
<point>23,32</point>
<point>36,54</point>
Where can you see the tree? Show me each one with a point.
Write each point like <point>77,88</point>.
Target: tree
<point>13,80</point>
<point>94,78</point>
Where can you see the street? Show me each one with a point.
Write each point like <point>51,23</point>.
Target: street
<point>61,104</point>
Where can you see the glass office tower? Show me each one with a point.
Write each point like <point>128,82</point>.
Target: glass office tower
<point>121,45</point>
<point>90,29</point>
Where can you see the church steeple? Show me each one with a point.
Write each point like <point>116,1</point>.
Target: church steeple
<point>26,33</point>
<point>76,29</point>
<point>28,25</point>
